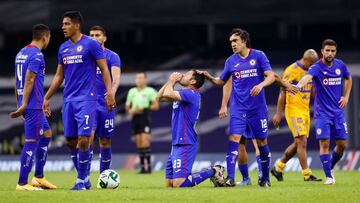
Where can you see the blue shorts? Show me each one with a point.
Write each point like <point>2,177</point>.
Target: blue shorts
<point>249,125</point>
<point>78,118</point>
<point>35,123</point>
<point>327,128</point>
<point>180,161</point>
<point>104,123</point>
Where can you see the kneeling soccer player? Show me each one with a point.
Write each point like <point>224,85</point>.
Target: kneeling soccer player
<point>186,109</point>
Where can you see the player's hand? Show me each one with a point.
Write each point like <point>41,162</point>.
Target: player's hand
<point>175,77</point>
<point>110,101</point>
<point>343,102</point>
<point>19,112</point>
<point>256,90</point>
<point>139,110</point>
<point>291,88</point>
<point>223,112</point>
<point>276,120</point>
<point>46,107</point>
<point>205,73</point>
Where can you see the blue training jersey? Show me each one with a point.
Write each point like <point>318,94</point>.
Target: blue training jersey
<point>329,89</point>
<point>184,116</point>
<point>112,59</point>
<point>79,60</point>
<point>30,58</point>
<point>246,73</point>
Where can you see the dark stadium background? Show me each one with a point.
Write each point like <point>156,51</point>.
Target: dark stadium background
<point>163,36</point>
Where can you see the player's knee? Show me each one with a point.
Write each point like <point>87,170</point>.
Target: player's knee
<point>83,143</point>
<point>104,142</point>
<point>177,182</point>
<point>341,146</point>
<point>324,144</point>
<point>71,143</point>
<point>261,142</point>
<point>234,138</point>
<point>48,133</point>
<point>301,141</point>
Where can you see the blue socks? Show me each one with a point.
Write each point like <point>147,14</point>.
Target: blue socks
<point>326,163</point>
<point>41,155</point>
<point>196,178</point>
<point>243,168</point>
<point>27,157</point>
<point>258,160</point>
<point>74,157</point>
<point>91,152</point>
<point>231,158</point>
<point>83,164</point>
<point>335,158</point>
<point>105,159</point>
<point>265,157</point>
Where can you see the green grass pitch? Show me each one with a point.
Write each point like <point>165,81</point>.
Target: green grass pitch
<point>150,188</point>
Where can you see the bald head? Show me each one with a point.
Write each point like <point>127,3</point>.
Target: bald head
<point>310,57</point>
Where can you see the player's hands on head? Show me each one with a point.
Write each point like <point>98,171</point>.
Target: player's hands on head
<point>343,102</point>
<point>46,107</point>
<point>205,73</point>
<point>175,77</point>
<point>276,120</point>
<point>256,90</point>
<point>223,112</point>
<point>19,112</point>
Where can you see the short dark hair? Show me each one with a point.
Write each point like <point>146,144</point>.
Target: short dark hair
<point>98,28</point>
<point>75,16</point>
<point>141,72</point>
<point>200,78</point>
<point>328,42</point>
<point>243,34</point>
<point>39,30</point>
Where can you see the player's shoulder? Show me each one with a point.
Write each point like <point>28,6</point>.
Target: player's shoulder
<point>339,62</point>
<point>112,53</point>
<point>257,52</point>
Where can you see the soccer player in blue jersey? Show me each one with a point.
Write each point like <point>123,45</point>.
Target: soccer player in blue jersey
<point>186,110</point>
<point>104,120</point>
<point>29,91</point>
<point>327,75</point>
<point>243,155</point>
<point>77,60</point>
<point>248,68</point>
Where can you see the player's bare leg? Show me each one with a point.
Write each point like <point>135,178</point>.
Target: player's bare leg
<point>277,170</point>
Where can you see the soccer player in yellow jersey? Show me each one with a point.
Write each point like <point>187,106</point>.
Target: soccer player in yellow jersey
<point>297,114</point>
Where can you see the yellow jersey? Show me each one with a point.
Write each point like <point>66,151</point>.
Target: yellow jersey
<point>301,100</point>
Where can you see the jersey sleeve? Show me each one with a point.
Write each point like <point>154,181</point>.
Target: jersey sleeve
<point>35,62</point>
<point>130,96</point>
<point>287,75</point>
<point>95,50</point>
<point>152,94</point>
<point>346,73</point>
<point>115,60</point>
<point>60,60</point>
<point>225,75</point>
<point>187,95</point>
<point>264,62</point>
<point>313,70</point>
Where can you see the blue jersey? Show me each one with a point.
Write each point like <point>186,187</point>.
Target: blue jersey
<point>246,73</point>
<point>79,61</point>
<point>329,88</point>
<point>30,58</point>
<point>184,116</point>
<point>112,59</point>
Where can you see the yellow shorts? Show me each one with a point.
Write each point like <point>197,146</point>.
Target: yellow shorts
<point>298,122</point>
